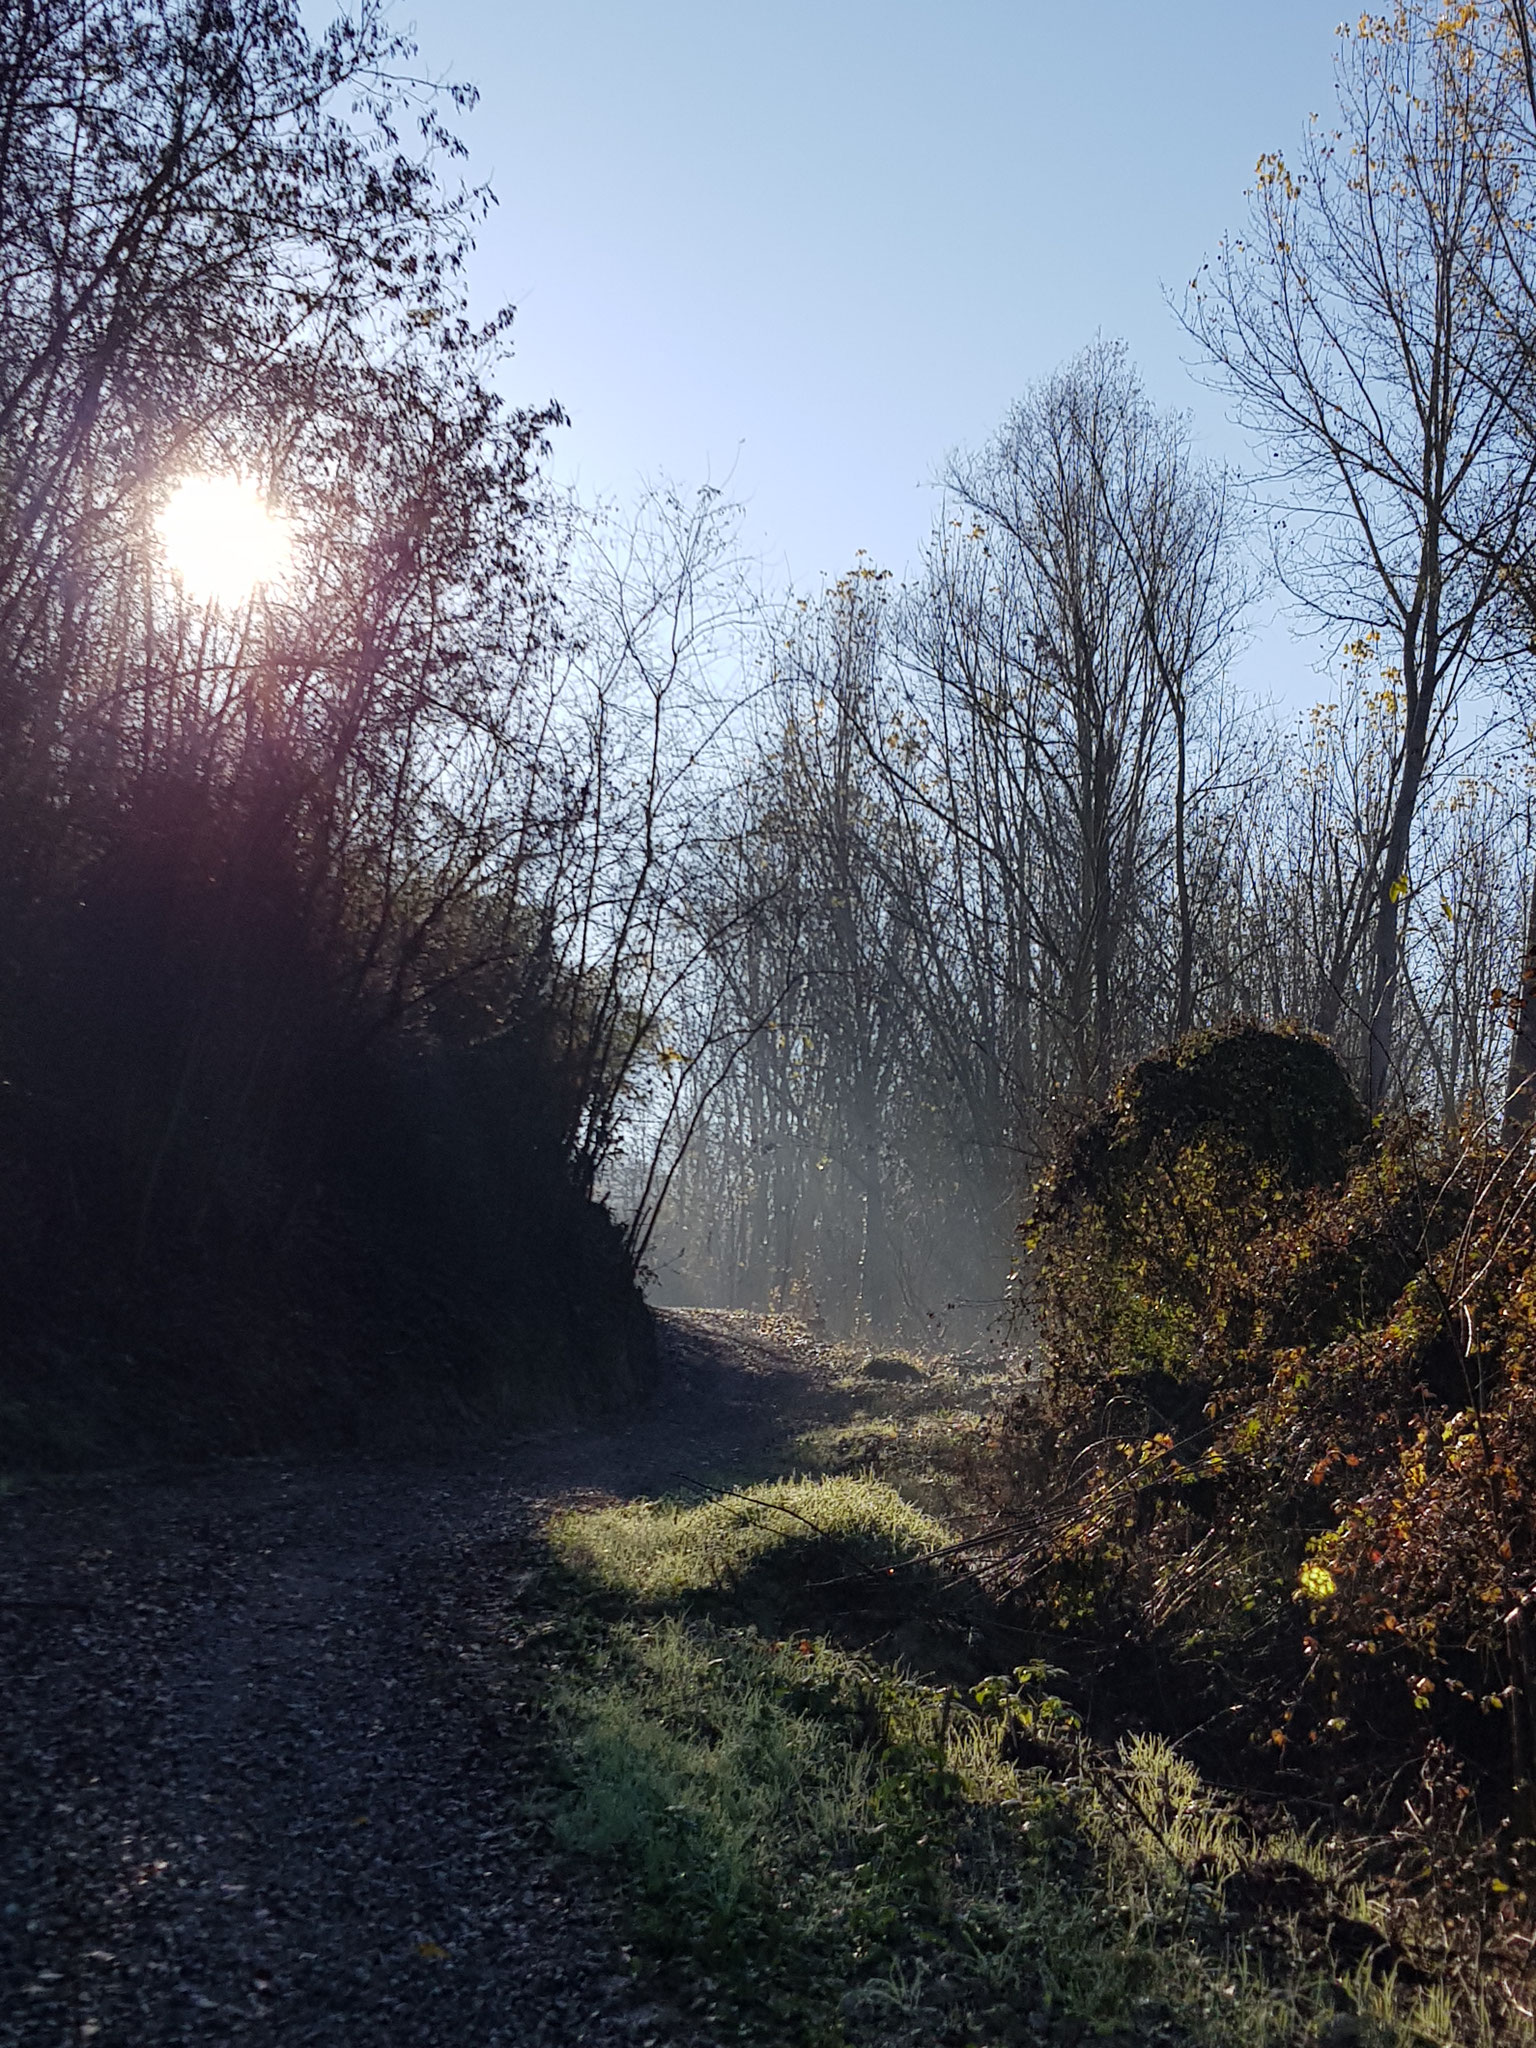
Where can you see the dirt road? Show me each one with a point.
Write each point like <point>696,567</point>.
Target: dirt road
<point>267,1738</point>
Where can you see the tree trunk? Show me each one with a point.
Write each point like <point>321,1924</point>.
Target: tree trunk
<point>1382,1015</point>
<point>1520,1090</point>
<point>1420,677</point>
<point>1184,996</point>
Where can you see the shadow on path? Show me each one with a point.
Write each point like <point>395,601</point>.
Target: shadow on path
<point>250,1786</point>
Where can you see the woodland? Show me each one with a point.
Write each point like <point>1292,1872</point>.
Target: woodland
<point>794,930</point>
<point>511,914</point>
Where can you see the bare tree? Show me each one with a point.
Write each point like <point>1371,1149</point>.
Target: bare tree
<point>982,839</point>
<point>1067,636</point>
<point>1508,137</point>
<point>1356,324</point>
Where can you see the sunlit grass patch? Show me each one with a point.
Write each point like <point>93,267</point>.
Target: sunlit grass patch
<point>831,1853</point>
<point>926,1436</point>
<point>920,1446</point>
<point>657,1551</point>
<point>897,1380</point>
<point>837,1855</point>
<point>932,1458</point>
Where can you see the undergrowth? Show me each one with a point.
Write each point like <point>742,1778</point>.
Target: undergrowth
<point>1287,1424</point>
<point>827,1850</point>
<point>1266,1492</point>
<point>1270,1491</point>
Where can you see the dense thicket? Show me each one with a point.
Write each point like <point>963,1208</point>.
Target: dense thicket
<point>1278,1473</point>
<point>297,1079</point>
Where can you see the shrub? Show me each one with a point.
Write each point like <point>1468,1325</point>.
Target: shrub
<point>242,1208</point>
<point>1143,1222</point>
<point>1287,1439</point>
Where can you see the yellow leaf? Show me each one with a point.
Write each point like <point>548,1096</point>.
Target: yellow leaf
<point>430,1952</point>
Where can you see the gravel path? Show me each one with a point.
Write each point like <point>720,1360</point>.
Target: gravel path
<point>269,1743</point>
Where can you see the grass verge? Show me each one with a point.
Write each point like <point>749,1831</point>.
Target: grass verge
<point>828,1852</point>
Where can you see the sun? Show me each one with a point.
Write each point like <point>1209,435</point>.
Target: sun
<point>222,539</point>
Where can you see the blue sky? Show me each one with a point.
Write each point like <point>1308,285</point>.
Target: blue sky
<point>810,248</point>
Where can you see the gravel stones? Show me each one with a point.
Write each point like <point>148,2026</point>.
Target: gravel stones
<point>271,1758</point>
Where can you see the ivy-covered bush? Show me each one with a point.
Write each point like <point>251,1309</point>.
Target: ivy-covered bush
<point>1277,1476</point>
<point>1144,1222</point>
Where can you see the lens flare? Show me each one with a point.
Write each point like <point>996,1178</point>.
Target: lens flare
<point>222,539</point>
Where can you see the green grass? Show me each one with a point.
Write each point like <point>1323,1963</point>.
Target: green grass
<point>659,1551</point>
<point>828,1854</point>
<point>924,1436</point>
<point>845,1557</point>
<point>833,1833</point>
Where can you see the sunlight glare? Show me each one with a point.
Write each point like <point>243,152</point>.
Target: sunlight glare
<point>222,539</point>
